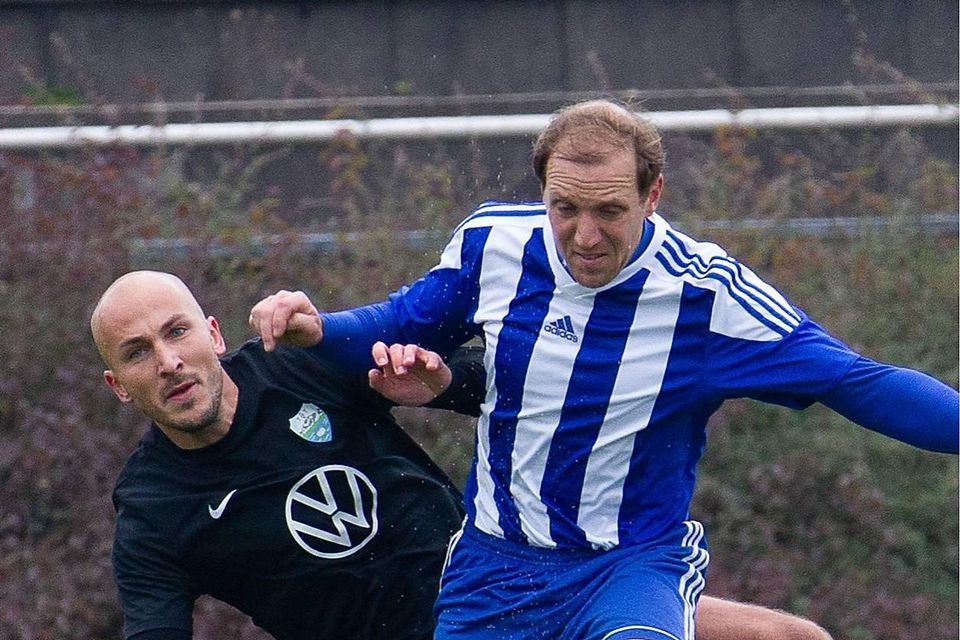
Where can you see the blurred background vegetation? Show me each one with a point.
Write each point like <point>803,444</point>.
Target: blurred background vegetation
<point>805,512</point>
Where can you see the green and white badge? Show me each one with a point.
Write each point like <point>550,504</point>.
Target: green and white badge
<point>312,424</point>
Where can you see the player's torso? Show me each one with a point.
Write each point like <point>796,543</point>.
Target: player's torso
<point>308,506</point>
<point>310,480</point>
<point>576,374</point>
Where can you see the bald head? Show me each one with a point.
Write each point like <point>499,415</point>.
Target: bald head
<point>133,292</point>
<point>163,355</point>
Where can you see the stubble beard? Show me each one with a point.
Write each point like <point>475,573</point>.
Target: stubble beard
<point>209,415</point>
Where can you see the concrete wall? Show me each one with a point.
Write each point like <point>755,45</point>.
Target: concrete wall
<point>142,51</point>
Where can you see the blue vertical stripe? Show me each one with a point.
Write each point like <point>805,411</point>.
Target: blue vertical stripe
<point>662,471</point>
<point>470,486</point>
<point>588,395</point>
<point>443,327</point>
<point>521,326</point>
<point>471,257</point>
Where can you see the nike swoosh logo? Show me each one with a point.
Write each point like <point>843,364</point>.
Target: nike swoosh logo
<point>216,513</point>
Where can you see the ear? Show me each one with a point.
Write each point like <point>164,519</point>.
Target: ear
<point>117,388</point>
<point>653,195</point>
<point>219,344</point>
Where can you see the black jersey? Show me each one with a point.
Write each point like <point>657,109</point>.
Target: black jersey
<point>316,514</point>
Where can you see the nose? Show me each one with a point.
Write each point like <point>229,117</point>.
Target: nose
<point>168,360</point>
<point>588,232</point>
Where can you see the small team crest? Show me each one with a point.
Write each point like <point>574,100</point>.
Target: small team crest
<point>312,424</point>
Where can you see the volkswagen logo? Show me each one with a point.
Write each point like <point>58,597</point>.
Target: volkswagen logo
<point>332,511</point>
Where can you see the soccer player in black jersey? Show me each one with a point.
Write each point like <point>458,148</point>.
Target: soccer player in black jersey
<point>272,482</point>
<point>283,487</point>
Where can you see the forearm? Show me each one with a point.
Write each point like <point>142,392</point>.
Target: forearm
<point>904,404</point>
<point>350,334</point>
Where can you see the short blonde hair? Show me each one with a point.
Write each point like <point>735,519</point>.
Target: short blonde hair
<point>604,123</point>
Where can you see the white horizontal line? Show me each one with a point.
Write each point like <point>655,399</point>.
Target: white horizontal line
<point>301,131</point>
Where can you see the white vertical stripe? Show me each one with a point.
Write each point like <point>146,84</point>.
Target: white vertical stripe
<point>499,277</point>
<point>451,256</point>
<point>454,539</point>
<point>639,379</point>
<point>548,376</point>
<point>487,516</point>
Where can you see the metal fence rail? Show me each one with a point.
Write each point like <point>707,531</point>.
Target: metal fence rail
<point>936,224</point>
<point>303,131</point>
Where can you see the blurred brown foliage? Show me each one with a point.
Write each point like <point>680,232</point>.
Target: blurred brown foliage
<point>805,512</point>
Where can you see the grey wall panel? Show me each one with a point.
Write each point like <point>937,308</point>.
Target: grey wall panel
<point>784,42</point>
<point>22,51</point>
<point>619,44</point>
<point>932,32</point>
<point>508,47</point>
<point>128,52</point>
<point>428,46</point>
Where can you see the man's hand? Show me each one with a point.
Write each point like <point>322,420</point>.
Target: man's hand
<point>408,375</point>
<point>288,317</point>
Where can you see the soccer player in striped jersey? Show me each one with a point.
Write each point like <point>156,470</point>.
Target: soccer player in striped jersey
<point>610,338</point>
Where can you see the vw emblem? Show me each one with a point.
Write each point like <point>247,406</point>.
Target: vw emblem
<point>332,511</point>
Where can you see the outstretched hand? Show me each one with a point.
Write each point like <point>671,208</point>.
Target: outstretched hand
<point>288,317</point>
<point>408,375</point>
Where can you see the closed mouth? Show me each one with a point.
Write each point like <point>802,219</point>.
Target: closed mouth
<point>590,257</point>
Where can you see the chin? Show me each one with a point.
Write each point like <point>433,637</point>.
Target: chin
<point>593,281</point>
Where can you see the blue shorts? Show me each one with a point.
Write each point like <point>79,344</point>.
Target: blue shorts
<point>493,589</point>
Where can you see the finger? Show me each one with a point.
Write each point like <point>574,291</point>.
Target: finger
<point>427,359</point>
<point>299,323</point>
<point>410,355</point>
<point>280,318</point>
<point>266,325</point>
<point>258,324</point>
<point>431,360</point>
<point>396,357</point>
<point>379,353</point>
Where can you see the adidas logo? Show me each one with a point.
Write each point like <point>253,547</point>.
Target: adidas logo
<point>563,328</point>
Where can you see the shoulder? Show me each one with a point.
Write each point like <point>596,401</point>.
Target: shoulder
<point>142,471</point>
<point>496,213</point>
<point>695,261</point>
<point>252,363</point>
<point>140,500</point>
<point>302,372</point>
<point>681,249</point>
<point>249,357</point>
<point>744,305</point>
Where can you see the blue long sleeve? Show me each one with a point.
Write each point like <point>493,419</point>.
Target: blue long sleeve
<point>904,404</point>
<point>350,334</point>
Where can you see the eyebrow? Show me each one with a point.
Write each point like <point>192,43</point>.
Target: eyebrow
<point>137,340</point>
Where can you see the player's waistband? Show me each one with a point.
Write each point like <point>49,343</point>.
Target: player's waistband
<point>526,552</point>
<point>689,534</point>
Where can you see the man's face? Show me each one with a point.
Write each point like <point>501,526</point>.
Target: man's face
<point>596,212</point>
<point>163,358</point>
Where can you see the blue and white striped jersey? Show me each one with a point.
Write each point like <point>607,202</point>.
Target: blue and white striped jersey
<point>597,400</point>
